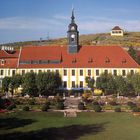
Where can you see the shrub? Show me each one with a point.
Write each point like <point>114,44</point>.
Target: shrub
<point>60,105</point>
<point>26,108</point>
<point>81,106</point>
<point>45,107</point>
<point>131,104</point>
<point>11,107</point>
<point>31,102</point>
<point>97,108</point>
<point>136,109</point>
<point>47,103</point>
<point>113,103</point>
<point>95,103</point>
<point>118,109</point>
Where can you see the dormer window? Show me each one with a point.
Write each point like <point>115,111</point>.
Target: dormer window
<point>2,62</point>
<point>107,60</point>
<point>74,60</point>
<point>90,60</point>
<point>124,61</point>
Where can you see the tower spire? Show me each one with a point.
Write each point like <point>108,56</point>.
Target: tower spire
<point>72,17</point>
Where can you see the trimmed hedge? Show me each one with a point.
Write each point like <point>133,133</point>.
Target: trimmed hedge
<point>26,108</point>
<point>118,109</point>
<point>95,103</point>
<point>60,105</point>
<point>131,104</point>
<point>11,107</point>
<point>113,103</point>
<point>97,108</point>
<point>136,109</point>
<point>45,107</point>
<point>81,106</point>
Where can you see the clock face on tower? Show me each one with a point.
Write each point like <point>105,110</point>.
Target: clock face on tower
<point>72,37</point>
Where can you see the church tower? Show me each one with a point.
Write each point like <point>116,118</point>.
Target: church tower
<point>73,36</point>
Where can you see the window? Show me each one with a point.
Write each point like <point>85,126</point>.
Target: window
<point>73,72</point>
<point>132,72</point>
<point>57,71</point>
<point>13,72</point>
<point>8,72</point>
<point>31,71</point>
<point>48,70</point>
<point>97,72</point>
<point>72,39</point>
<point>81,84</point>
<point>81,72</point>
<point>73,84</point>
<point>115,72</point>
<point>2,62</point>
<point>65,84</point>
<point>89,72</point>
<point>65,72</point>
<point>1,72</point>
<point>106,71</point>
<point>23,72</point>
<point>39,71</point>
<point>123,73</point>
<point>74,60</point>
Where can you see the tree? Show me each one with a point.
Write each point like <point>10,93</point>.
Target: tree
<point>106,83</point>
<point>132,53</point>
<point>90,82</point>
<point>15,82</point>
<point>29,84</point>
<point>6,83</point>
<point>122,87</point>
<point>48,83</point>
<point>135,82</point>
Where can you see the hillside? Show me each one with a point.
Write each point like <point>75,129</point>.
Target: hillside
<point>129,39</point>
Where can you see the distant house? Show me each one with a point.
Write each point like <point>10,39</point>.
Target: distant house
<point>117,31</point>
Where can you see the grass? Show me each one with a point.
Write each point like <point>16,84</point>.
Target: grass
<point>53,126</point>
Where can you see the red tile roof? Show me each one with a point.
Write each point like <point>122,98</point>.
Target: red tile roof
<point>10,59</point>
<point>116,28</point>
<point>4,54</point>
<point>87,57</point>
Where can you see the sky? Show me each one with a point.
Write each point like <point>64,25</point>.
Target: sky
<point>25,20</point>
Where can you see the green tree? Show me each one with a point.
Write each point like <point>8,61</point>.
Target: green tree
<point>5,83</point>
<point>90,82</point>
<point>15,82</point>
<point>48,83</point>
<point>29,84</point>
<point>135,82</point>
<point>133,54</point>
<point>106,82</point>
<point>122,87</point>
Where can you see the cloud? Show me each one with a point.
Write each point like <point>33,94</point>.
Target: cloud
<point>28,23</point>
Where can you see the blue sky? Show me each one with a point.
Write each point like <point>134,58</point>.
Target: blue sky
<point>22,20</point>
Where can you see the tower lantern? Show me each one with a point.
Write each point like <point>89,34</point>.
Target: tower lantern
<point>73,35</point>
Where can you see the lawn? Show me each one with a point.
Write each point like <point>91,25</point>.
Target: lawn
<point>53,126</point>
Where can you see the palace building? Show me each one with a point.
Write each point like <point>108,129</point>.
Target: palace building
<point>73,62</point>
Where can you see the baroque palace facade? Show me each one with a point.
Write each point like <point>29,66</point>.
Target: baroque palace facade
<point>73,62</point>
